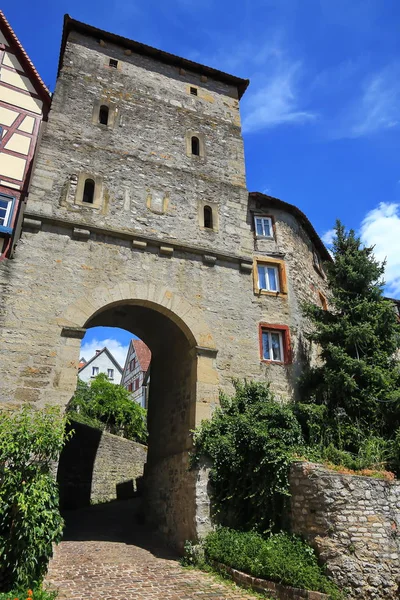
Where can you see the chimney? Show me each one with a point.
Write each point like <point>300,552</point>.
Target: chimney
<point>98,352</point>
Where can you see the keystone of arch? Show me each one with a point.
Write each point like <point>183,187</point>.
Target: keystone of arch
<point>161,299</point>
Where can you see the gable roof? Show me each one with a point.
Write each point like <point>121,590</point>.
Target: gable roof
<point>143,354</point>
<point>24,59</point>
<point>300,216</point>
<point>165,57</point>
<point>110,356</point>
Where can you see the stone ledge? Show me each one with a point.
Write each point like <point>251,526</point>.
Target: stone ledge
<point>81,234</point>
<point>32,223</point>
<point>73,332</point>
<point>139,242</point>
<point>203,351</point>
<point>274,590</point>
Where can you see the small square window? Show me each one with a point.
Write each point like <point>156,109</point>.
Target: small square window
<point>268,278</point>
<point>113,63</point>
<point>275,343</point>
<point>263,227</point>
<point>193,91</point>
<point>110,373</point>
<point>272,345</point>
<point>95,371</point>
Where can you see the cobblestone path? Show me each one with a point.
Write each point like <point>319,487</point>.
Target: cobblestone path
<point>106,555</point>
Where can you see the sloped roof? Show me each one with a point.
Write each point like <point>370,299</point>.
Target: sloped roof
<point>143,354</point>
<point>110,356</point>
<point>300,216</point>
<point>24,59</point>
<point>139,48</point>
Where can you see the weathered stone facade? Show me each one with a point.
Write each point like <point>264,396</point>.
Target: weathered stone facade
<point>140,256</point>
<point>353,522</point>
<point>96,466</point>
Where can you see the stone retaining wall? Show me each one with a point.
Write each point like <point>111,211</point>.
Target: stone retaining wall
<point>272,589</point>
<point>353,522</point>
<point>96,466</point>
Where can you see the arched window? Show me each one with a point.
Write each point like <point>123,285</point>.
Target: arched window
<point>88,191</point>
<point>195,146</point>
<point>103,114</point>
<point>208,217</point>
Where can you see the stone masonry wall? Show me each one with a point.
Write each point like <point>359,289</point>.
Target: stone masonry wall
<point>96,466</point>
<point>353,522</point>
<point>139,257</point>
<point>140,160</point>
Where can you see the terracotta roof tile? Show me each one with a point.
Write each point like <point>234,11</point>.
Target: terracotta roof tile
<point>143,354</point>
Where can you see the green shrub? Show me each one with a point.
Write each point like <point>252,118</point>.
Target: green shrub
<point>281,557</point>
<point>103,402</point>
<point>35,594</point>
<point>29,515</point>
<point>250,440</point>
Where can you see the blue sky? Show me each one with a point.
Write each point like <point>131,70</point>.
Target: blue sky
<point>321,118</point>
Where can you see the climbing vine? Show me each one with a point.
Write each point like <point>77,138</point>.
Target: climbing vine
<point>250,440</point>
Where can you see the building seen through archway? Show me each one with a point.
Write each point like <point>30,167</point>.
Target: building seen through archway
<point>168,490</point>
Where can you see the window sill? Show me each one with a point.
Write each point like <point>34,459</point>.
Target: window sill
<point>261,292</point>
<point>87,204</point>
<point>209,229</point>
<point>265,237</point>
<point>5,229</point>
<point>274,362</point>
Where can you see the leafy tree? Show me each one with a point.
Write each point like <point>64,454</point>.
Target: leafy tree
<point>250,440</point>
<point>110,405</point>
<point>30,521</point>
<point>357,380</point>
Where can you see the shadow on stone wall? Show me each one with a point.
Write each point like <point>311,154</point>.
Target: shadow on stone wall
<point>96,466</point>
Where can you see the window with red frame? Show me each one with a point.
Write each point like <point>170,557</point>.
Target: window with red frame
<point>275,343</point>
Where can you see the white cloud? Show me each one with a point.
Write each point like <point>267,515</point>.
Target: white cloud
<point>328,236</point>
<point>381,228</point>
<point>273,97</point>
<point>118,351</point>
<point>378,107</point>
<point>276,101</point>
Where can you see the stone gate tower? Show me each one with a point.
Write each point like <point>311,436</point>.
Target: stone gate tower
<point>138,217</point>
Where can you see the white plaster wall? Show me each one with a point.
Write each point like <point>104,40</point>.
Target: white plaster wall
<point>103,362</point>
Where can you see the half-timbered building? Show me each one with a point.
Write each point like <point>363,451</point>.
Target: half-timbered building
<point>24,103</point>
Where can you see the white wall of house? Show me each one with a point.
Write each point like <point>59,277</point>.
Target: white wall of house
<point>100,364</point>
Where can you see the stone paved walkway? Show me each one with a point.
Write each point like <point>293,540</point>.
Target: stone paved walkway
<point>106,555</point>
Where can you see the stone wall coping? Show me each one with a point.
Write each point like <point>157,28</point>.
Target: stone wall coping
<point>107,434</point>
<point>275,590</point>
<point>138,241</point>
<point>323,471</point>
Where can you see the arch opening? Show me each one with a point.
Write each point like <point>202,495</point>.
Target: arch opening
<point>195,146</point>
<point>169,488</point>
<point>208,217</point>
<point>88,191</point>
<point>103,114</point>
